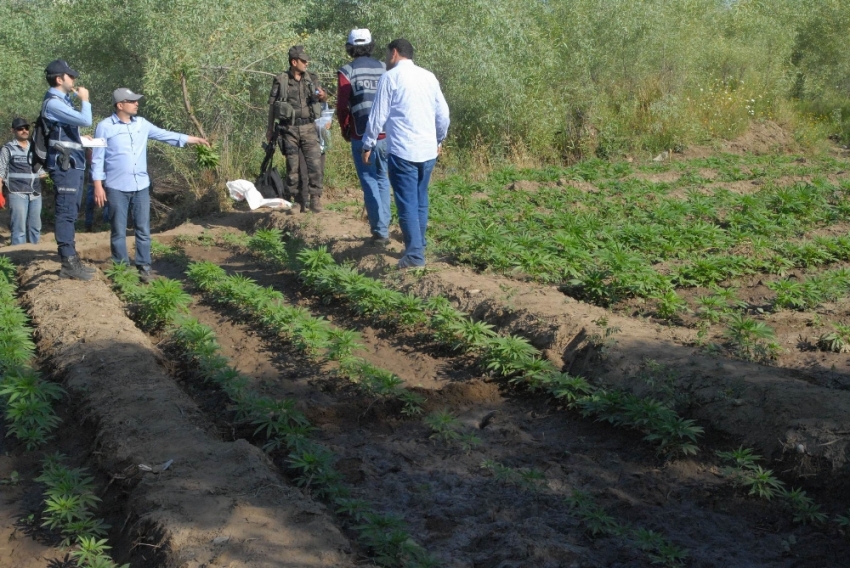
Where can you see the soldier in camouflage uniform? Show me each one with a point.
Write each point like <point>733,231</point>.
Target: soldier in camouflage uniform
<point>294,103</point>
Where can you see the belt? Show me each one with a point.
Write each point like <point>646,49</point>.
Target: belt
<point>301,121</point>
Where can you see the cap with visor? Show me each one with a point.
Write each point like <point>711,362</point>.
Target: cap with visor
<point>298,52</point>
<point>124,94</point>
<point>60,67</point>
<point>360,37</point>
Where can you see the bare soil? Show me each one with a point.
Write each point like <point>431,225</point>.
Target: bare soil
<point>776,409</point>
<point>456,509</point>
<point>225,503</point>
<point>221,502</point>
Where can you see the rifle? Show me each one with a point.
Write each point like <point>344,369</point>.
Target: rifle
<point>269,147</point>
<point>269,182</point>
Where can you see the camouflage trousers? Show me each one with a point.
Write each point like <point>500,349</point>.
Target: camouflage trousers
<point>297,142</point>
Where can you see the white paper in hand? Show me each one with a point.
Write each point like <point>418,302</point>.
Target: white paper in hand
<point>244,190</point>
<point>94,142</point>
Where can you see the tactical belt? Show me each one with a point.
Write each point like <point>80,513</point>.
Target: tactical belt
<point>301,121</point>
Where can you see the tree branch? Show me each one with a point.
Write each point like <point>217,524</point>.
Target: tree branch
<point>189,110</point>
<point>243,70</point>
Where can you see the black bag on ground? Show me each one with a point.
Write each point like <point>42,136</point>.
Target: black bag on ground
<point>269,183</point>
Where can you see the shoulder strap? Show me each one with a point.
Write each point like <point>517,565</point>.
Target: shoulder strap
<point>47,100</point>
<point>269,159</point>
<point>281,85</point>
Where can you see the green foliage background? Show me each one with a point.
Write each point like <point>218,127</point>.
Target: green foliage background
<point>557,80</point>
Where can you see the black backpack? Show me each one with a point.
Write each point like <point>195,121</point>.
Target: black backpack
<point>40,140</point>
<point>269,183</point>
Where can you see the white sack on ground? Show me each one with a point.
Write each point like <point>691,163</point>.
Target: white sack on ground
<point>244,190</point>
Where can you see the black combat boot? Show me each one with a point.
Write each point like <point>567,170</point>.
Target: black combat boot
<point>90,269</point>
<point>316,203</point>
<point>72,267</point>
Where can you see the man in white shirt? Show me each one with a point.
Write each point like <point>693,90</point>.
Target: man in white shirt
<point>409,106</point>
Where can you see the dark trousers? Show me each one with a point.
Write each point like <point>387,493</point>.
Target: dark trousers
<point>296,141</point>
<point>303,178</point>
<point>68,186</point>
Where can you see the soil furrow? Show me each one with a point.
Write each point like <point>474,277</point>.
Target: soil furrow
<point>219,503</point>
<point>468,518</point>
<point>415,360</point>
<point>769,407</point>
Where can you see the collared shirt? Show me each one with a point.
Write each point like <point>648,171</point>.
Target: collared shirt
<point>5,155</point>
<point>409,106</point>
<point>64,111</point>
<point>123,164</point>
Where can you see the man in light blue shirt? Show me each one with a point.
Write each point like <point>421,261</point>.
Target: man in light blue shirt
<point>409,106</point>
<point>120,174</point>
<point>66,161</point>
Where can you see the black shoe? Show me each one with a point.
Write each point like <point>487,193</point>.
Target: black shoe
<point>316,204</point>
<point>145,275</point>
<point>72,267</point>
<point>377,241</point>
<point>90,269</point>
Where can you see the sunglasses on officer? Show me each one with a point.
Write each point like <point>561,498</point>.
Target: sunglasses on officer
<point>22,128</point>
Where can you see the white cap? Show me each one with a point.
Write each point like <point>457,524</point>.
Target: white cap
<point>359,37</point>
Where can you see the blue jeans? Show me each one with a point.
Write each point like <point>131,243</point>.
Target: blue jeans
<point>375,185</point>
<point>25,222</point>
<point>120,205</point>
<point>90,206</point>
<point>68,185</point>
<point>410,187</point>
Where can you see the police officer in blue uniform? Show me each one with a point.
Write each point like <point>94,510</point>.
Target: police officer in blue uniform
<point>66,159</point>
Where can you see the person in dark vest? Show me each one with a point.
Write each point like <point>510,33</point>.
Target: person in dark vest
<point>294,104</point>
<point>23,185</point>
<point>357,83</point>
<point>66,160</point>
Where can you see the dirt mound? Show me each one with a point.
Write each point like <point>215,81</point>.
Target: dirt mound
<point>764,137</point>
<point>219,503</point>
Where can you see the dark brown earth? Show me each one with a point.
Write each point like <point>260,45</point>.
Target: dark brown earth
<point>775,409</point>
<point>221,502</point>
<point>457,510</point>
<point>224,503</point>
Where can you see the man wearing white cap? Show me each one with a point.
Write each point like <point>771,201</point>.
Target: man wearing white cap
<point>357,83</point>
<point>120,174</point>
